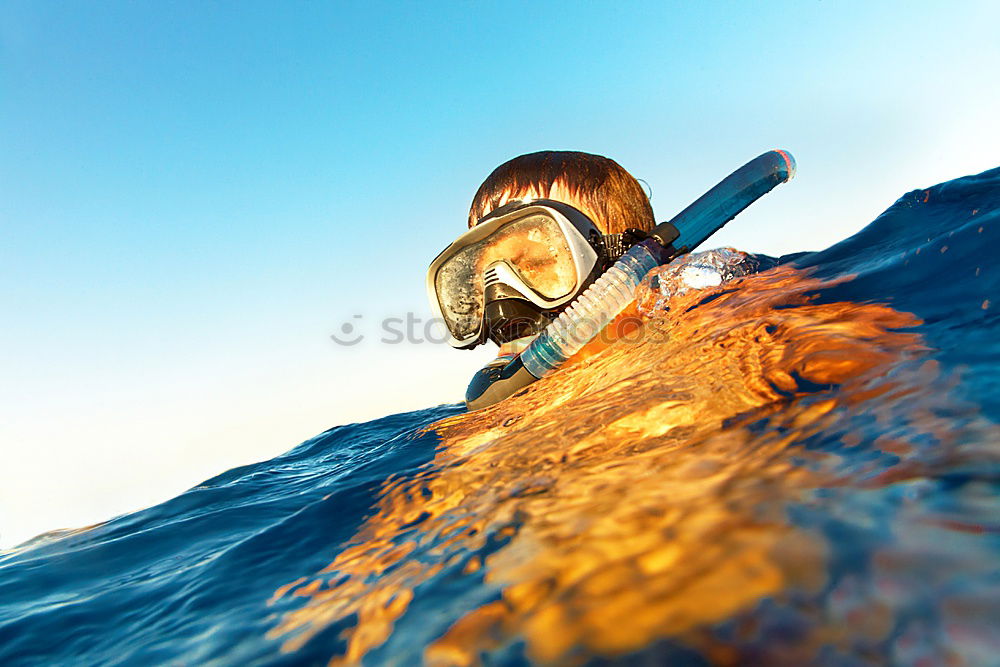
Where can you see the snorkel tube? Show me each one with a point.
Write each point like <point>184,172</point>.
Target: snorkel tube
<point>610,294</point>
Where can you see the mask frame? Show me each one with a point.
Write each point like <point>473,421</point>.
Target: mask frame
<point>585,242</point>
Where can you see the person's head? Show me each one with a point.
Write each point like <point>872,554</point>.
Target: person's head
<point>595,185</point>
<point>544,226</point>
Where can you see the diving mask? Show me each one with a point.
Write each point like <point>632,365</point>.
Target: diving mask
<point>512,273</point>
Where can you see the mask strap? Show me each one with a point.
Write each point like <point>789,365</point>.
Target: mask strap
<point>616,245</point>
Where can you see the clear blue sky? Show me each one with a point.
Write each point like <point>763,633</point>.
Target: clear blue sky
<point>194,195</point>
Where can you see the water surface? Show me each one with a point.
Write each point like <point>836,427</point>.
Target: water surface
<point>796,466</point>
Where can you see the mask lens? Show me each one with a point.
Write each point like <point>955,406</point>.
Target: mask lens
<point>537,249</point>
<point>460,293</point>
<point>534,246</point>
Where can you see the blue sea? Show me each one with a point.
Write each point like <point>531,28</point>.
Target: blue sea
<point>802,468</point>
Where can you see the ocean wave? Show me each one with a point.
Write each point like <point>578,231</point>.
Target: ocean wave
<point>791,461</point>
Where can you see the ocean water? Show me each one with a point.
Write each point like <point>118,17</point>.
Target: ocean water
<point>795,466</point>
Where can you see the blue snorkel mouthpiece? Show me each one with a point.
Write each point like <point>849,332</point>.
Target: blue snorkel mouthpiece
<point>610,294</point>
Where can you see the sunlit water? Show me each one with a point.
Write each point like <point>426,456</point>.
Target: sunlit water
<point>796,466</point>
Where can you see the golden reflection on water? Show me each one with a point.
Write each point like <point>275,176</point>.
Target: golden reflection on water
<point>634,503</point>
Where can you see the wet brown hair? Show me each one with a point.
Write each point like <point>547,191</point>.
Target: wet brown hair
<point>596,185</point>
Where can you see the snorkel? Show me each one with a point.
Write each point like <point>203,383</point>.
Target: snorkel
<point>610,294</point>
